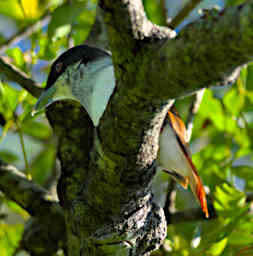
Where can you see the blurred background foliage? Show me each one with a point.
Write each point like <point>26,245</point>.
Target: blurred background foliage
<point>221,139</point>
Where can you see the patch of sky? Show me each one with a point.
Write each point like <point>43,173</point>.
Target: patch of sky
<point>7,26</point>
<point>175,6</point>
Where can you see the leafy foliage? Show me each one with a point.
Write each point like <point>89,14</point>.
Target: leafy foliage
<point>222,136</point>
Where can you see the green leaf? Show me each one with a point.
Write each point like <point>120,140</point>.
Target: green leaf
<point>18,57</point>
<point>246,173</point>
<point>11,8</point>
<point>59,17</point>
<point>217,248</point>
<point>155,11</point>
<point>62,31</point>
<point>210,104</point>
<point>36,129</point>
<point>15,208</point>
<point>249,81</point>
<point>43,164</point>
<point>228,198</point>
<point>47,50</point>
<point>8,100</point>
<point>234,2</point>
<point>83,24</point>
<point>8,156</point>
<point>241,238</point>
<point>233,101</point>
<point>9,238</point>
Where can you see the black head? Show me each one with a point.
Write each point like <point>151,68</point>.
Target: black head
<point>82,53</point>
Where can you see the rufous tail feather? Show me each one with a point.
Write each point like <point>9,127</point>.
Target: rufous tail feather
<point>199,191</point>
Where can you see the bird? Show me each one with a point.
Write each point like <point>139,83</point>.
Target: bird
<point>175,159</point>
<point>85,74</point>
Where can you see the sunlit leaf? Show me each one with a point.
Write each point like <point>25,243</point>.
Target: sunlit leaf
<point>17,56</point>
<point>209,103</point>
<point>60,18</point>
<point>233,101</point>
<point>217,248</point>
<point>15,208</point>
<point>31,8</point>
<point>228,198</point>
<point>8,102</point>
<point>11,8</point>
<point>9,238</point>
<point>156,11</point>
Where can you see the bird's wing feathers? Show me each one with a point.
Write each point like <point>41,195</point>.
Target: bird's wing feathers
<point>178,125</point>
<point>194,180</point>
<point>197,187</point>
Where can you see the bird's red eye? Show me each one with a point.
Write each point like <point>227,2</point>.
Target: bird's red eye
<point>58,67</point>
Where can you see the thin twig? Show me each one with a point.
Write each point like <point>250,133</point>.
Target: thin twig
<point>25,32</point>
<point>164,12</point>
<point>22,143</point>
<point>15,75</point>
<point>247,250</point>
<point>192,112</point>
<point>183,13</point>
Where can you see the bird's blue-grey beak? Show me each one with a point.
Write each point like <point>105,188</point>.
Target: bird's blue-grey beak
<point>46,99</point>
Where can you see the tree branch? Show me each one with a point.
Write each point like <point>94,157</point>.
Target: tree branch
<point>15,75</point>
<point>44,236</point>
<point>107,170</point>
<point>39,237</point>
<point>25,32</point>
<point>189,6</point>
<point>193,111</point>
<point>33,198</point>
<point>146,68</point>
<point>205,50</point>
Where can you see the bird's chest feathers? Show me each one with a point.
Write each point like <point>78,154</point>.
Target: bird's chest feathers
<point>170,155</point>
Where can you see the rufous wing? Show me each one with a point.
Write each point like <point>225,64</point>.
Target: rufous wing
<point>192,178</point>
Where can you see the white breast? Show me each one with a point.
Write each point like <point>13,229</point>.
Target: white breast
<point>170,155</point>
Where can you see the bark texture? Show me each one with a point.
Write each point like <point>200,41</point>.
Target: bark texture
<point>104,189</point>
<point>107,172</point>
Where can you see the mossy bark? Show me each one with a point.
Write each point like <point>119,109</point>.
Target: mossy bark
<point>107,171</point>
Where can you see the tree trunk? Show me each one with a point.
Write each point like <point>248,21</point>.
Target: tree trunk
<point>105,187</point>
